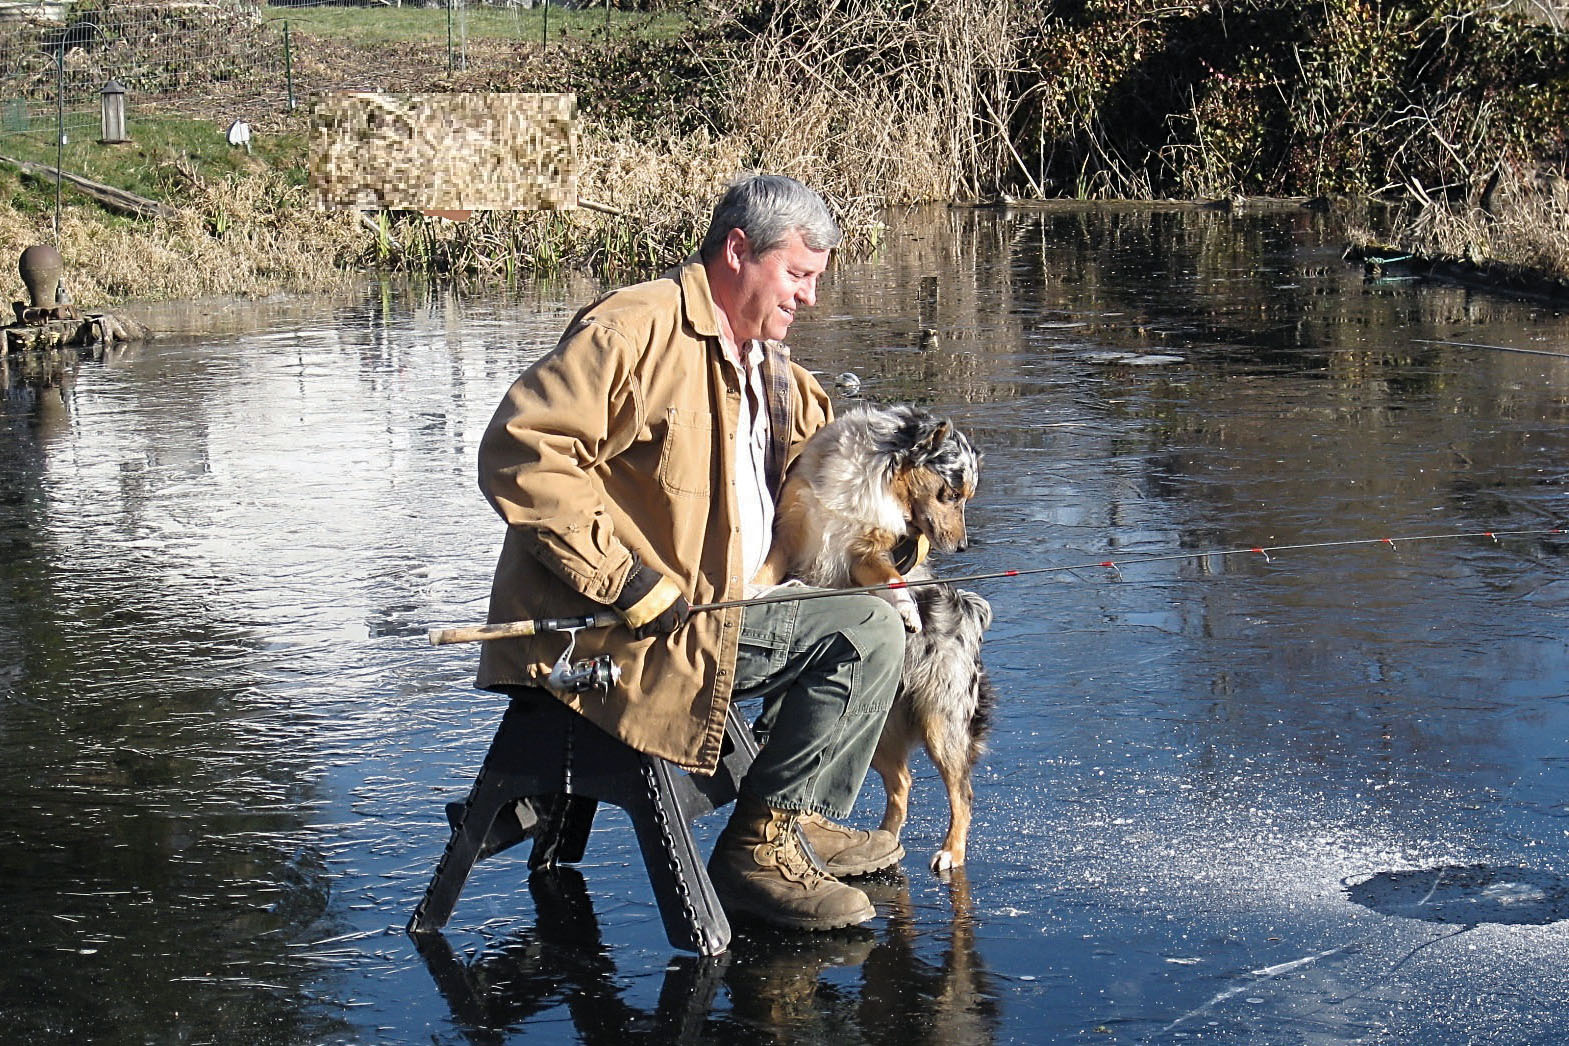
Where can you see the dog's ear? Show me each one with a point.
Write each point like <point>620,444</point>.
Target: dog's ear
<point>927,448</point>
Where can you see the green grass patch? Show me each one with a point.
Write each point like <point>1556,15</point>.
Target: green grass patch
<point>379,25</point>
<point>144,165</point>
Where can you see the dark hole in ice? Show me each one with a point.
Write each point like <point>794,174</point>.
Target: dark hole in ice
<point>1467,895</point>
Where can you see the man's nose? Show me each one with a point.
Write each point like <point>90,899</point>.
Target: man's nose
<point>807,292</point>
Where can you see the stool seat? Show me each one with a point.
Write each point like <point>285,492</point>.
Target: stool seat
<point>546,773</point>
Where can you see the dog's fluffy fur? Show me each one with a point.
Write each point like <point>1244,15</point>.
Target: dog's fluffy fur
<point>864,491</point>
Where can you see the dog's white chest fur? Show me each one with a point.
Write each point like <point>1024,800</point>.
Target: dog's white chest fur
<point>849,492</point>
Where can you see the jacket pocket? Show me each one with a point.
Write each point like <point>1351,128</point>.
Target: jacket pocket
<point>686,458</point>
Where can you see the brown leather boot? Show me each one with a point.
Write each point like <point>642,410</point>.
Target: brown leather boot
<point>759,869</point>
<point>850,851</point>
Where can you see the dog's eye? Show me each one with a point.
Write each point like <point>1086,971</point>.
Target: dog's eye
<point>948,495</point>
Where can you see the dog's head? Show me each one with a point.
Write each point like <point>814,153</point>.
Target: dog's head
<point>935,471</point>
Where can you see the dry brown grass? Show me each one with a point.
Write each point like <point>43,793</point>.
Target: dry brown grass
<point>873,103</point>
<point>245,236</point>
<point>1520,223</point>
<point>903,135</point>
<point>868,108</point>
<point>871,106</point>
<point>661,193</point>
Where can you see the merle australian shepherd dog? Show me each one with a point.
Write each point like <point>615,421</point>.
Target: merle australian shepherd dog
<point>866,497</point>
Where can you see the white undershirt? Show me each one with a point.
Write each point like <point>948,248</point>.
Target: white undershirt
<point>754,503</point>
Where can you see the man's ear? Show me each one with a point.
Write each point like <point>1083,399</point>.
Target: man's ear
<point>736,250</point>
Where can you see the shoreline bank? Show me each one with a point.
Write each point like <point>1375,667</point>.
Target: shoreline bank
<point>1029,105</point>
<point>307,253</point>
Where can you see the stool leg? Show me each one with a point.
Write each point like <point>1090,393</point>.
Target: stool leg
<point>687,903</point>
<point>463,848</point>
<point>736,757</point>
<point>514,823</point>
<point>562,835</point>
<point>743,743</point>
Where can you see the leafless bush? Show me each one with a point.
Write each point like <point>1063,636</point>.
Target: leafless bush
<point>904,102</point>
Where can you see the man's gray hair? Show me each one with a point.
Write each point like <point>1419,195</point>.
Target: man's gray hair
<point>767,207</point>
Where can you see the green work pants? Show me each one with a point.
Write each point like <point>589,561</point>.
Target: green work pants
<point>826,671</point>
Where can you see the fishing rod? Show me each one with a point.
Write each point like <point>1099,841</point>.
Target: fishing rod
<point>605,618</point>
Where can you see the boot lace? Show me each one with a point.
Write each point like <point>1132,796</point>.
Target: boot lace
<point>788,856</point>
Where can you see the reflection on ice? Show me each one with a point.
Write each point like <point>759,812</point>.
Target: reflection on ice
<point>860,983</point>
<point>225,745</point>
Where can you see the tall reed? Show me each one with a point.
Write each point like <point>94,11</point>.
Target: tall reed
<point>1518,225</point>
<point>891,102</point>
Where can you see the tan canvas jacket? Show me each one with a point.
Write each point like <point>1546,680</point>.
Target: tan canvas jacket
<point>620,439</point>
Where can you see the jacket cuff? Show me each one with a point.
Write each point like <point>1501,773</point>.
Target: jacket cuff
<point>659,598</point>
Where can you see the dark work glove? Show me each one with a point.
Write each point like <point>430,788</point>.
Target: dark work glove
<point>650,603</point>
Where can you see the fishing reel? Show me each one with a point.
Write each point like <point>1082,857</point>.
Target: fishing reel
<point>591,673</point>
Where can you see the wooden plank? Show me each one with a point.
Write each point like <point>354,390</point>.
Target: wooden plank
<point>115,199</point>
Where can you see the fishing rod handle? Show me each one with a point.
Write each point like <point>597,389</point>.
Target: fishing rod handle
<point>516,629</point>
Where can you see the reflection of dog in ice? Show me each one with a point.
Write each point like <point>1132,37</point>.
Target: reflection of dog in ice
<point>868,494</point>
<point>799,987</point>
<point>905,997</point>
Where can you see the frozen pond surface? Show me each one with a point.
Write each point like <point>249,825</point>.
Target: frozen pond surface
<point>1318,796</point>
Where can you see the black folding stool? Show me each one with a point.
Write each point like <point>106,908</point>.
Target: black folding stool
<point>546,773</point>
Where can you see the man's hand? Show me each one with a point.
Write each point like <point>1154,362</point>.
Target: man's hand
<point>650,603</point>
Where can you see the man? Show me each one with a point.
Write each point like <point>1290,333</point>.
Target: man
<point>637,465</point>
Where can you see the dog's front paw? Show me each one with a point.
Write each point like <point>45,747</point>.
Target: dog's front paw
<point>904,603</point>
<point>946,861</point>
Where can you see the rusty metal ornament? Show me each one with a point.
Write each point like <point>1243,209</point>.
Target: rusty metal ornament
<point>41,267</point>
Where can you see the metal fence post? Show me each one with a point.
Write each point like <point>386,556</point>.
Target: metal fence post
<point>288,65</point>
<point>544,35</point>
<point>59,133</point>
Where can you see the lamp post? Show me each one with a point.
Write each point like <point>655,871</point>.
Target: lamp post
<point>113,96</point>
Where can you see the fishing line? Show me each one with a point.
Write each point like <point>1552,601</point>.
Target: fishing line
<point>1495,348</point>
<point>1116,565</point>
<point>796,593</point>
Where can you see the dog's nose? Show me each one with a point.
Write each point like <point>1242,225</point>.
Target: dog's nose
<point>963,544</point>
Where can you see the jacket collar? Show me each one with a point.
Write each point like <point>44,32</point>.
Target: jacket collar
<point>697,298</point>
<point>697,303</point>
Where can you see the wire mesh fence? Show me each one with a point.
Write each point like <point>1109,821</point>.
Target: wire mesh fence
<point>223,59</point>
<point>187,56</point>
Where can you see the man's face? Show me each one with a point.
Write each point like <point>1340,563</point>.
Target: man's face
<point>771,286</point>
